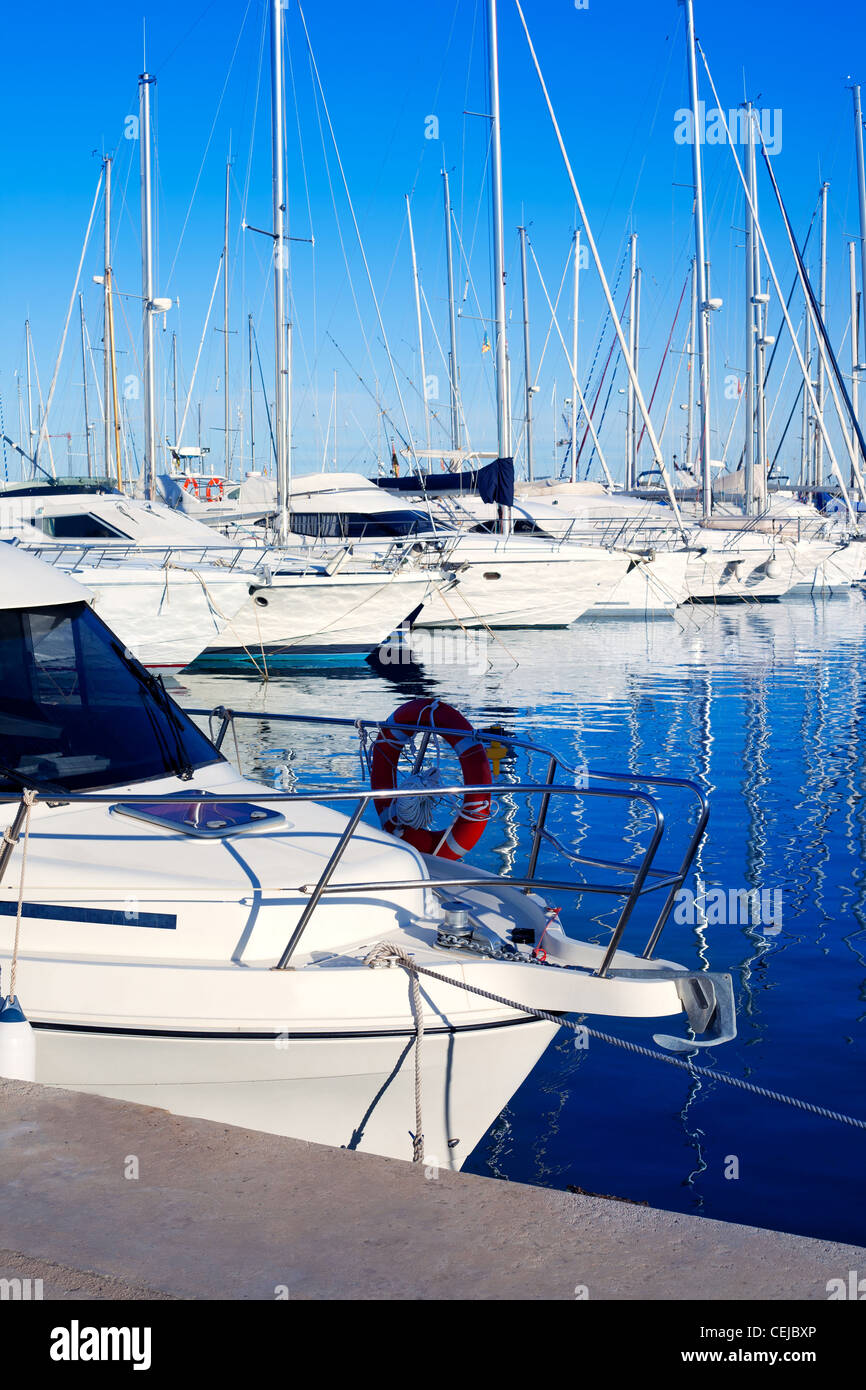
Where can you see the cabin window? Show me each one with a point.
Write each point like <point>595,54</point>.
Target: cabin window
<point>78,527</point>
<point>77,713</point>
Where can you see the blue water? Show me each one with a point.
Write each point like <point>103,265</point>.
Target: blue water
<point>764,707</point>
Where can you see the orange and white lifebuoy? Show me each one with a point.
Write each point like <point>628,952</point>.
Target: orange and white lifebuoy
<point>191,485</point>
<point>468,827</point>
<point>217,485</point>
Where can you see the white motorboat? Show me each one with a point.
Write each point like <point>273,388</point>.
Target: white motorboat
<point>505,580</point>
<point>191,939</point>
<point>248,602</point>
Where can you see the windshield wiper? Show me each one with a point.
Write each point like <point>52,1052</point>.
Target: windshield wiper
<point>154,686</point>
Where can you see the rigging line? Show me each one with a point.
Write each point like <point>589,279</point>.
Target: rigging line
<point>182,41</point>
<point>371,394</point>
<point>664,359</point>
<point>254,122</point>
<point>568,261</point>
<point>201,343</point>
<point>208,145</point>
<point>43,427</point>
<point>682,357</point>
<point>264,393</point>
<point>600,385</point>
<point>819,322</point>
<point>572,368</point>
<point>356,226</point>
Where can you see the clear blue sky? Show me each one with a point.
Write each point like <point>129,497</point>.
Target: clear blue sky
<point>616,72</point>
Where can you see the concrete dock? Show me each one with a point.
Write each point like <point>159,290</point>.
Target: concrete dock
<point>103,1199</point>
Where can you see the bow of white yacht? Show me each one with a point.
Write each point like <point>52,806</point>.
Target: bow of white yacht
<point>182,936</point>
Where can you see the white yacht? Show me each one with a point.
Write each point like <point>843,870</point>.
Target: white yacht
<point>249,602</point>
<point>191,939</point>
<point>505,580</point>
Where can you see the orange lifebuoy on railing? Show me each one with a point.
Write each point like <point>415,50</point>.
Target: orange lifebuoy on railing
<point>468,827</point>
<point>217,484</point>
<point>191,485</point>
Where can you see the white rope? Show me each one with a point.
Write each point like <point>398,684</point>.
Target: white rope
<point>28,799</point>
<point>383,954</point>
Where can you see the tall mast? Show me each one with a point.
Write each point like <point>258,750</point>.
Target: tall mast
<point>226,402</point>
<point>761,318</point>
<point>503,411</point>
<point>805,450</point>
<point>145,82</point>
<point>423,363</point>
<point>749,468</point>
<point>174,387</point>
<point>629,414</point>
<point>452,322</point>
<point>855,340</point>
<point>84,379</point>
<point>527,369</point>
<point>278,177</point>
<point>106,318</point>
<point>690,408</point>
<point>861,188</point>
<point>574,304</point>
<point>634,357</point>
<point>252,399</point>
<point>27,345</point>
<point>335,420</point>
<point>822,298</point>
<point>701,266</point>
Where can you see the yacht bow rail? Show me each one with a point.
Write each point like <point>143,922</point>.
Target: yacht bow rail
<point>643,875</point>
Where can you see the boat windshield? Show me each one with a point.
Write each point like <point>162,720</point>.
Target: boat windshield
<point>76,712</point>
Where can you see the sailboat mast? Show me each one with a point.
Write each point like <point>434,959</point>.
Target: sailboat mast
<point>527,369</point>
<point>861,188</point>
<point>145,82</point>
<point>822,304</point>
<point>84,379</point>
<point>252,398</point>
<point>226,403</point>
<point>279,202</point>
<point>174,386</point>
<point>575,294</point>
<point>27,346</point>
<point>749,464</point>
<point>629,413</point>
<point>452,322</point>
<point>701,266</point>
<point>423,363</point>
<point>503,411</point>
<point>855,341</point>
<point>106,318</point>
<point>690,407</point>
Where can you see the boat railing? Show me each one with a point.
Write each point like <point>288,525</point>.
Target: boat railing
<point>646,876</point>
<point>643,875</point>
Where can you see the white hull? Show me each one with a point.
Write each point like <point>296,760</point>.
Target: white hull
<point>165,617</point>
<point>506,585</point>
<point>350,1092</point>
<point>653,586</point>
<point>320,612</point>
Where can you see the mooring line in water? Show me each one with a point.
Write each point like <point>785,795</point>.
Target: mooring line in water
<point>389,951</point>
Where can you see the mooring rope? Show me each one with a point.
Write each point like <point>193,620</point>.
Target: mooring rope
<point>28,799</point>
<point>387,951</point>
<point>384,952</point>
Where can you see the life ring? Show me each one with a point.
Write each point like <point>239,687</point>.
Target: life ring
<point>468,827</point>
<point>217,484</point>
<point>191,485</point>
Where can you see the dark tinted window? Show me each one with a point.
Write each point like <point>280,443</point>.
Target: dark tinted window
<point>74,711</point>
<point>74,528</point>
<point>353,525</point>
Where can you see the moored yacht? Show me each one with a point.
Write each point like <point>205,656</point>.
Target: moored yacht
<point>190,939</point>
